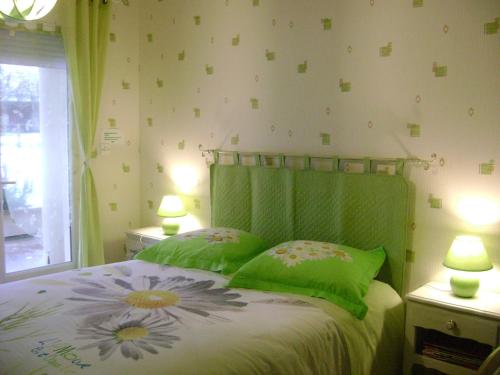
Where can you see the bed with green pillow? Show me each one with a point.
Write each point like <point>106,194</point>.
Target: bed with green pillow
<point>300,274</point>
<point>139,317</point>
<point>337,273</point>
<point>222,250</point>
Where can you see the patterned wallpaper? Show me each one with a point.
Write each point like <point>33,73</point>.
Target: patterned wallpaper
<point>116,166</point>
<point>354,78</point>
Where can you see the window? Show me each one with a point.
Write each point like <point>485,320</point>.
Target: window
<point>34,154</point>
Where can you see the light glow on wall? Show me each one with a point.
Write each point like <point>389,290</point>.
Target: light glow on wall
<point>479,210</point>
<point>189,223</point>
<point>186,178</point>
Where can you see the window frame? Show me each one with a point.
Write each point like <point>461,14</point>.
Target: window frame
<point>72,205</point>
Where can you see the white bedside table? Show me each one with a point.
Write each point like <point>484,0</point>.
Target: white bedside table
<point>139,239</point>
<point>440,326</point>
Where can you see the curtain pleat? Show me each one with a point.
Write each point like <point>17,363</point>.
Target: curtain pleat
<point>85,28</point>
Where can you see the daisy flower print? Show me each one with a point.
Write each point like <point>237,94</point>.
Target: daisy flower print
<point>213,235</point>
<point>286,254</point>
<point>176,297</point>
<point>132,337</point>
<point>295,252</point>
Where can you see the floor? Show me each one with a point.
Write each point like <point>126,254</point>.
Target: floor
<point>24,252</point>
<point>24,244</point>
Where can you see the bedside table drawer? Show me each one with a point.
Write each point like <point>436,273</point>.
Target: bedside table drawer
<point>139,243</point>
<point>139,239</point>
<point>455,323</point>
<point>134,245</point>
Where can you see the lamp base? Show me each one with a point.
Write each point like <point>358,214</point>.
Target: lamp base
<point>169,227</point>
<point>464,286</point>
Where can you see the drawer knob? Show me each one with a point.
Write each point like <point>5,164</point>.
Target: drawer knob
<point>451,325</point>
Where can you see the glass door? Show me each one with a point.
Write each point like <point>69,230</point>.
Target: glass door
<point>34,170</point>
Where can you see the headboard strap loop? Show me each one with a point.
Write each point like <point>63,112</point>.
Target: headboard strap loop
<point>335,163</point>
<point>257,159</point>
<point>282,160</point>
<point>307,162</point>
<point>367,165</point>
<point>400,166</point>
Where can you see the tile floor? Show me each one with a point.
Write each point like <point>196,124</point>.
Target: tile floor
<point>24,252</point>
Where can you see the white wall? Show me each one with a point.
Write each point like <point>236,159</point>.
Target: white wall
<point>183,105</point>
<point>116,167</point>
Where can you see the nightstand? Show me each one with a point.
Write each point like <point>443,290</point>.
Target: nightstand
<point>139,239</point>
<point>447,334</point>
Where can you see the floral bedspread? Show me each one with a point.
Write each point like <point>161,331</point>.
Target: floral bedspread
<point>142,318</point>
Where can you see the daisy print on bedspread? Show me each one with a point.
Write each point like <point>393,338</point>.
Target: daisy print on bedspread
<point>175,297</point>
<point>132,337</point>
<point>213,235</point>
<point>295,252</point>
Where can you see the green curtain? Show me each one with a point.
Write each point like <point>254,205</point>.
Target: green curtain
<point>85,26</point>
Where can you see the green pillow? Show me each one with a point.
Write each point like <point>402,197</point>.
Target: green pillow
<point>213,249</point>
<point>340,274</point>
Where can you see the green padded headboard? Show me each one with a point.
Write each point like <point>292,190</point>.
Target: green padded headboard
<point>280,204</point>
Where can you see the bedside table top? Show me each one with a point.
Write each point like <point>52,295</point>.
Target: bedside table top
<point>485,303</point>
<point>150,232</point>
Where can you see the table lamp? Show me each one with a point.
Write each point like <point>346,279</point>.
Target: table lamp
<point>467,254</point>
<point>170,208</point>
<point>26,10</point>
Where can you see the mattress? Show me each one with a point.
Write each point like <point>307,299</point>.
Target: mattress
<point>142,318</point>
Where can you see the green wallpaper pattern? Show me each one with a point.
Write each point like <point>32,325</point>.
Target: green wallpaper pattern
<point>117,166</point>
<point>378,78</point>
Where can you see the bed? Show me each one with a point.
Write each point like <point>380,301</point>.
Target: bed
<point>141,317</point>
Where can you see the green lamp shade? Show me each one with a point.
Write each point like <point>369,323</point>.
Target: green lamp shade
<point>467,253</point>
<point>171,206</point>
<point>26,10</point>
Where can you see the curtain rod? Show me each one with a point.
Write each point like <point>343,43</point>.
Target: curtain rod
<point>426,163</point>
